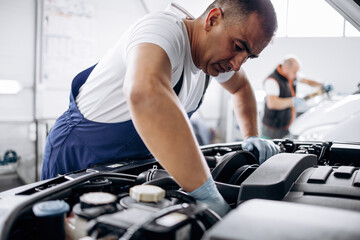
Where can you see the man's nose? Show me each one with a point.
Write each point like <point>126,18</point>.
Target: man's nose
<point>237,60</point>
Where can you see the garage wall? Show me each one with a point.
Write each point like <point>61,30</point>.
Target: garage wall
<point>17,62</point>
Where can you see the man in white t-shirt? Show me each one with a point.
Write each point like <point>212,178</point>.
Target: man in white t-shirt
<point>138,98</point>
<point>280,88</point>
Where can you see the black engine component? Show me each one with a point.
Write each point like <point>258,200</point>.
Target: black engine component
<point>181,221</point>
<point>309,191</point>
<point>312,202</point>
<point>232,165</point>
<point>275,177</point>
<point>174,217</point>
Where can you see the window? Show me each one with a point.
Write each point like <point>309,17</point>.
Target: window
<point>310,18</point>
<point>351,31</point>
<point>281,14</point>
<point>313,18</point>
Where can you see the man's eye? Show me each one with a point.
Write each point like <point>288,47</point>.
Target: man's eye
<point>238,48</point>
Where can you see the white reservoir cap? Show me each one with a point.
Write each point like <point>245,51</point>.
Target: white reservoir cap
<point>147,193</point>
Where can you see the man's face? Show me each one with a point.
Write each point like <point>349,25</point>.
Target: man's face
<point>228,47</point>
<point>291,71</point>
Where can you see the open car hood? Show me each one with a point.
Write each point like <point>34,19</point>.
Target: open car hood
<point>349,9</point>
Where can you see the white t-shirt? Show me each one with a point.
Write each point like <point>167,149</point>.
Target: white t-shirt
<point>102,99</point>
<point>271,87</point>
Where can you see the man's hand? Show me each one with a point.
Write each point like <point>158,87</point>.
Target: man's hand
<point>265,147</point>
<point>327,87</point>
<point>208,194</point>
<point>297,101</point>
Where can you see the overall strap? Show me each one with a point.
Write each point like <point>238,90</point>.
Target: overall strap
<point>178,85</point>
<point>207,80</point>
<point>79,80</point>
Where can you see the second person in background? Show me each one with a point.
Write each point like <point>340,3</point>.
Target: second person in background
<point>281,100</point>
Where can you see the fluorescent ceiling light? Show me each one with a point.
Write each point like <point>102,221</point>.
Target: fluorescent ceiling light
<point>9,86</point>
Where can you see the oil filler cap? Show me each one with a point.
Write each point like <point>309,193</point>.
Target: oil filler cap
<point>147,193</point>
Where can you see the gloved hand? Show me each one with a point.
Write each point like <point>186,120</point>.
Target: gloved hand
<point>328,87</point>
<point>265,147</point>
<point>297,101</point>
<point>209,195</point>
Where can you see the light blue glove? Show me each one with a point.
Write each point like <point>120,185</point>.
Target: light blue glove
<point>209,195</point>
<point>265,147</point>
<point>328,87</point>
<point>297,101</point>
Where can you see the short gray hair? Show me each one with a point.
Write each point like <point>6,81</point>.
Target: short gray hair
<point>289,60</point>
<point>236,11</point>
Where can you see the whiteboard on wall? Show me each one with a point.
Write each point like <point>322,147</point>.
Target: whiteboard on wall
<point>74,36</point>
<point>69,30</point>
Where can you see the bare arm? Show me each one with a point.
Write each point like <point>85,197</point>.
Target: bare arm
<point>277,103</point>
<point>244,103</point>
<point>159,117</point>
<point>311,82</point>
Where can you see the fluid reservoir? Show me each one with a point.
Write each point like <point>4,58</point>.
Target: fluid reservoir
<point>50,219</point>
<point>91,206</point>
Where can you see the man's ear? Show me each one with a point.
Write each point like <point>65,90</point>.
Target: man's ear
<point>214,16</point>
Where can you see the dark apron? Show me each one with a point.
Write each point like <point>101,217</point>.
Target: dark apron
<point>76,143</point>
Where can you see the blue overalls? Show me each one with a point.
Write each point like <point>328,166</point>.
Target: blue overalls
<point>76,143</point>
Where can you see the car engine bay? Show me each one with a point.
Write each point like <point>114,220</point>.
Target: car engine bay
<point>311,190</point>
